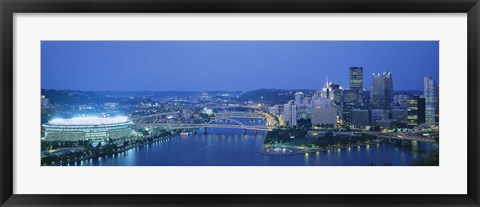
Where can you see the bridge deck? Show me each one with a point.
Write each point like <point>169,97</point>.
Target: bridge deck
<point>227,126</point>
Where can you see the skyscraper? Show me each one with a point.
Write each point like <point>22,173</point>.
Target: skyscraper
<point>382,90</point>
<point>415,111</point>
<point>330,91</point>
<point>356,83</point>
<point>430,93</point>
<point>349,103</point>
<point>290,113</point>
<point>356,78</point>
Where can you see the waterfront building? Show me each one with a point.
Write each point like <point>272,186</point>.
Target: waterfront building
<point>87,128</point>
<point>384,123</point>
<point>430,93</point>
<point>360,117</point>
<point>290,113</point>
<point>323,112</point>
<point>399,115</point>
<point>381,94</point>
<point>415,111</point>
<point>324,115</point>
<point>378,115</point>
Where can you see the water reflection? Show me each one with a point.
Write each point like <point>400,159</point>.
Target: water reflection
<point>230,147</point>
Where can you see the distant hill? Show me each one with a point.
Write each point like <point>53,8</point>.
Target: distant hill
<point>73,97</point>
<point>162,93</point>
<point>147,93</point>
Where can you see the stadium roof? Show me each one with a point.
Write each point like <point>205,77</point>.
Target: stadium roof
<point>88,120</point>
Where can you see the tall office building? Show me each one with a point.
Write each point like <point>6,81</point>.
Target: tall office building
<point>356,83</point>
<point>356,78</point>
<point>330,91</point>
<point>290,113</point>
<point>430,93</point>
<point>326,92</point>
<point>349,103</point>
<point>415,111</point>
<point>381,95</point>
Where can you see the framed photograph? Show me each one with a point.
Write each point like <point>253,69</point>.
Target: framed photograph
<point>239,103</point>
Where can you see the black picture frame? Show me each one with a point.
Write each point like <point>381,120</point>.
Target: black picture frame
<point>10,7</point>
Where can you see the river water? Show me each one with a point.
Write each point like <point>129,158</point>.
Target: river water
<point>230,147</point>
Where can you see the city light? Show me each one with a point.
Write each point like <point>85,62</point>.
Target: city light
<point>291,113</point>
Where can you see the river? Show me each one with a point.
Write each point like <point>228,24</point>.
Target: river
<point>230,147</point>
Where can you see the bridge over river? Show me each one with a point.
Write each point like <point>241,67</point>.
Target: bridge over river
<point>205,126</point>
<point>225,120</point>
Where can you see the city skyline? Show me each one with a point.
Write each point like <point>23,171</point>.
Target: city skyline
<point>197,103</point>
<point>107,66</point>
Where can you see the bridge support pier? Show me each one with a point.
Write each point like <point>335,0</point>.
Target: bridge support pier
<point>204,130</point>
<point>244,131</point>
<point>255,131</point>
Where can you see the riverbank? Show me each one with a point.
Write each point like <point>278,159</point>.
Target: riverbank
<point>103,154</point>
<point>298,151</point>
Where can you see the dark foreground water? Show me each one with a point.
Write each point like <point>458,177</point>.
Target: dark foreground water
<point>229,147</point>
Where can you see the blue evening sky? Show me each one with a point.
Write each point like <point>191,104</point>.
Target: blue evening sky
<point>231,65</point>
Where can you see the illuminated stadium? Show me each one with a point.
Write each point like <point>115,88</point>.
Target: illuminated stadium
<point>87,128</point>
